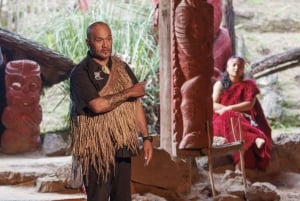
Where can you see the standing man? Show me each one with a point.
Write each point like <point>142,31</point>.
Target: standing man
<point>106,118</point>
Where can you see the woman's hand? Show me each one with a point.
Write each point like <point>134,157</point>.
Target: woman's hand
<point>223,110</point>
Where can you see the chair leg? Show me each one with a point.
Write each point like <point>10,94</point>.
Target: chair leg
<point>241,151</point>
<point>243,168</point>
<point>242,157</point>
<point>210,160</point>
<point>211,176</point>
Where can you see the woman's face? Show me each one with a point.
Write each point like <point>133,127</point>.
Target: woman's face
<point>235,68</point>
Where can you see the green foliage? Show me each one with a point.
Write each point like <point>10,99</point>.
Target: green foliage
<point>284,124</point>
<point>55,103</point>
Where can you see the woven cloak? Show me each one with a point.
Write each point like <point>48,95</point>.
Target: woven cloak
<point>95,138</point>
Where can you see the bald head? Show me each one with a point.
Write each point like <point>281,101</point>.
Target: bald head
<point>93,25</point>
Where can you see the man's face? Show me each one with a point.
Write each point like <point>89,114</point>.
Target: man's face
<point>100,41</point>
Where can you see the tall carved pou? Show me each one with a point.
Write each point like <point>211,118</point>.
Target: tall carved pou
<point>192,64</point>
<point>222,49</point>
<point>22,115</point>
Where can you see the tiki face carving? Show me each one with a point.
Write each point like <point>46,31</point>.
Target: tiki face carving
<point>23,84</point>
<point>23,114</point>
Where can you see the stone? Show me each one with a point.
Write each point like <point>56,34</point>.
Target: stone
<point>54,145</point>
<point>13,178</point>
<point>285,145</point>
<point>227,197</point>
<point>165,176</point>
<point>147,197</point>
<point>49,184</point>
<point>262,191</point>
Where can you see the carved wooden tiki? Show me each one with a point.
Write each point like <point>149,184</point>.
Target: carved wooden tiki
<point>192,66</point>
<point>222,49</point>
<point>23,113</point>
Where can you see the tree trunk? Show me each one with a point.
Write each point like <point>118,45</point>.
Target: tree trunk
<point>275,63</point>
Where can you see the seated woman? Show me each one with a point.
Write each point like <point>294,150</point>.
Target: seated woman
<point>234,96</point>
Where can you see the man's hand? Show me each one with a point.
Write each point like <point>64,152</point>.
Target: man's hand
<point>136,91</point>
<point>148,151</point>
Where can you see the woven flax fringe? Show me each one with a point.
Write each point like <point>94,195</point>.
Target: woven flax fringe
<point>96,138</point>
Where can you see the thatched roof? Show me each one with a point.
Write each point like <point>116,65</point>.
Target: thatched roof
<point>54,66</point>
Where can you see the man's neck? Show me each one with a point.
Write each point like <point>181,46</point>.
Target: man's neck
<point>100,60</point>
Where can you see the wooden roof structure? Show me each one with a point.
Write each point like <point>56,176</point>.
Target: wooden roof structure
<point>54,66</point>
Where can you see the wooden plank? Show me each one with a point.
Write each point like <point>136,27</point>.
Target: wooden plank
<point>165,75</point>
<point>226,149</point>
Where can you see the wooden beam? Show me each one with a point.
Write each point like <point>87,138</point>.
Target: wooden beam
<point>275,63</point>
<point>165,75</point>
<point>54,66</point>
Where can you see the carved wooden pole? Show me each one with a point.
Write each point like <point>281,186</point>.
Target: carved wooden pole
<point>23,114</point>
<point>229,22</point>
<point>222,49</point>
<point>192,71</point>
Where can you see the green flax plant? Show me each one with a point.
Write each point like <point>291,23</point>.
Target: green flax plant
<point>131,28</point>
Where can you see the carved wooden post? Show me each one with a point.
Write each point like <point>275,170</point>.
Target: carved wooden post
<point>192,71</point>
<point>229,22</point>
<point>23,114</point>
<point>222,49</point>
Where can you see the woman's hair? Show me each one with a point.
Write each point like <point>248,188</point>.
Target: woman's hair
<point>225,80</point>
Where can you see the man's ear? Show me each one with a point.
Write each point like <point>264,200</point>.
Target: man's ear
<point>87,43</point>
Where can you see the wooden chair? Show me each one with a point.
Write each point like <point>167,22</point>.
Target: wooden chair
<point>225,149</point>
